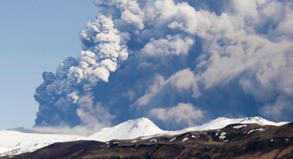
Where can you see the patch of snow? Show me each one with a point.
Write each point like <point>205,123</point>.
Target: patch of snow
<point>154,140</point>
<point>194,136</point>
<point>251,131</point>
<point>172,139</point>
<point>255,130</point>
<point>239,126</point>
<point>261,129</point>
<point>222,136</point>
<point>185,139</point>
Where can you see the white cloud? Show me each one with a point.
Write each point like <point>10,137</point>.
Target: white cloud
<point>132,19</point>
<point>278,109</point>
<point>182,80</point>
<point>152,90</point>
<point>171,45</point>
<point>183,113</point>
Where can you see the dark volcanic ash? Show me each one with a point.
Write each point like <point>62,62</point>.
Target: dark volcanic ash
<point>179,63</point>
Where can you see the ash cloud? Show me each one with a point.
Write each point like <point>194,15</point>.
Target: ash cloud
<point>179,63</point>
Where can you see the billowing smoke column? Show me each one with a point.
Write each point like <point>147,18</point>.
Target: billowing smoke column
<point>179,63</point>
<point>67,96</point>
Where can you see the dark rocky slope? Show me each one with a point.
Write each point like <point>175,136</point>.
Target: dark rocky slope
<point>234,141</point>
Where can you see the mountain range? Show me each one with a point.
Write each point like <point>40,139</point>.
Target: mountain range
<point>217,135</point>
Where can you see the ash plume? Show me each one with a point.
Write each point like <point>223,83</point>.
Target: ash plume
<point>180,63</point>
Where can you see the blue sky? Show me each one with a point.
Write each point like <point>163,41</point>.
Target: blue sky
<point>35,37</point>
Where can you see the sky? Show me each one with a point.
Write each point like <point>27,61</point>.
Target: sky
<point>35,37</point>
<point>179,63</point>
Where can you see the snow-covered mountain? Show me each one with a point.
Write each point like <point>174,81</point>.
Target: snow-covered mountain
<point>18,141</point>
<point>127,130</point>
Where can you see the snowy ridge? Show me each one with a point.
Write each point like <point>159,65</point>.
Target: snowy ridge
<point>16,141</point>
<point>222,122</point>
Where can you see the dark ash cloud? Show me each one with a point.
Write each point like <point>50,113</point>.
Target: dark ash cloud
<point>179,63</point>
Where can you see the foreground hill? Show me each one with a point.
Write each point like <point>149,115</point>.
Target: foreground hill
<point>241,138</point>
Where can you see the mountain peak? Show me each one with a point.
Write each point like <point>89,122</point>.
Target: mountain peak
<point>140,121</point>
<point>128,130</point>
<point>260,121</point>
